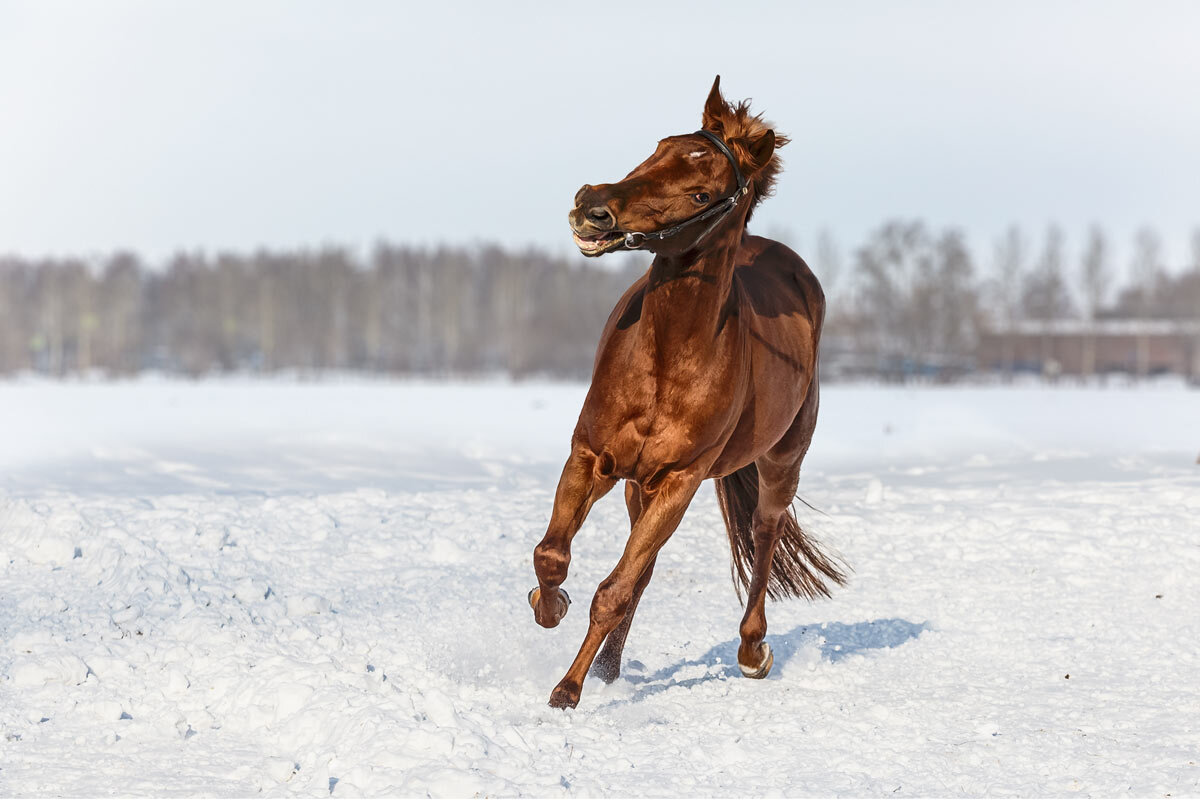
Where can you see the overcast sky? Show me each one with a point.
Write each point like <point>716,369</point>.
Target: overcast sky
<point>236,124</point>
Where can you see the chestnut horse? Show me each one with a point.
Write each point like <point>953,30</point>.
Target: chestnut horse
<point>707,368</point>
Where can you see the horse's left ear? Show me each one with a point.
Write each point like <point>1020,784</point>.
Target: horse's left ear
<point>760,149</point>
<point>715,109</point>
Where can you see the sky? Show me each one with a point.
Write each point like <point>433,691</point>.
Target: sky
<point>233,125</point>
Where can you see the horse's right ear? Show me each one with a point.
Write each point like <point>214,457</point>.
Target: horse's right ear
<point>715,109</point>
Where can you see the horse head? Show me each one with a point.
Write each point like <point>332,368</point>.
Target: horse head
<point>691,185</point>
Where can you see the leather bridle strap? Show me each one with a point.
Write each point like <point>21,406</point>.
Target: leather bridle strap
<point>724,148</point>
<point>718,212</point>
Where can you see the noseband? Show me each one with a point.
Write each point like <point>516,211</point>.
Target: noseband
<point>637,239</point>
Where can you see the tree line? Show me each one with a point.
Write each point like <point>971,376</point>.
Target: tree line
<point>399,310</point>
<point>917,292</point>
<point>908,290</point>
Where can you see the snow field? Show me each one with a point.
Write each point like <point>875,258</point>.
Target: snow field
<point>240,587</point>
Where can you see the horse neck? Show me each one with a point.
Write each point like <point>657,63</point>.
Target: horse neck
<point>687,299</point>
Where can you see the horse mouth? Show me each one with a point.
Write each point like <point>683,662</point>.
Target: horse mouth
<point>599,243</point>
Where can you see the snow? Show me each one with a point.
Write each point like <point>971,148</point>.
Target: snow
<point>295,588</point>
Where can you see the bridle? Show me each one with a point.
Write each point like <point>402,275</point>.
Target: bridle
<point>636,239</point>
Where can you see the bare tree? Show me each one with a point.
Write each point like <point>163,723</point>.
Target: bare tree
<point>1146,270</point>
<point>918,297</point>
<point>1010,255</point>
<point>957,312</point>
<point>16,315</point>
<point>1095,273</point>
<point>120,308</point>
<point>1045,295</point>
<point>1095,278</point>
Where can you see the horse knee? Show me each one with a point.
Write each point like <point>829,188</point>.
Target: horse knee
<point>609,605</point>
<point>550,563</point>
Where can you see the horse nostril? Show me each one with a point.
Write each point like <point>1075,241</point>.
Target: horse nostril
<point>601,217</point>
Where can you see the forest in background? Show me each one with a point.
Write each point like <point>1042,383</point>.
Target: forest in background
<point>907,291</point>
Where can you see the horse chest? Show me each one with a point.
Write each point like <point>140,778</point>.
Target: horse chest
<point>644,428</point>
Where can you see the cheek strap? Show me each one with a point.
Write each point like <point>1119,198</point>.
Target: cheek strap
<point>637,239</point>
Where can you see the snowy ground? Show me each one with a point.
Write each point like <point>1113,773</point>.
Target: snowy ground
<point>238,587</point>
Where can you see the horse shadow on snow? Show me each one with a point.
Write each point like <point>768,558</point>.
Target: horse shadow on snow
<point>836,641</point>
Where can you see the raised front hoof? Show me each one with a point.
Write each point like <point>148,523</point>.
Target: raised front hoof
<point>764,666</point>
<point>565,695</point>
<point>550,613</point>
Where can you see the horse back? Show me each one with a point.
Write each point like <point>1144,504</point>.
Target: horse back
<point>774,282</point>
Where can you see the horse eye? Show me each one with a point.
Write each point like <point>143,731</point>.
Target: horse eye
<point>701,197</point>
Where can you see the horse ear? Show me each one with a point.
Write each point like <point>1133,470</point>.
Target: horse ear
<point>715,109</point>
<point>760,149</point>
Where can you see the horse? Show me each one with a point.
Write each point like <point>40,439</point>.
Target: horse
<point>706,368</point>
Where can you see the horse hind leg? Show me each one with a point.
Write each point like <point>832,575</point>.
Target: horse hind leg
<point>607,666</point>
<point>772,554</point>
<point>754,655</point>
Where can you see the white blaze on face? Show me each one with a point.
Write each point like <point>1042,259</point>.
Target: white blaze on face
<point>697,154</point>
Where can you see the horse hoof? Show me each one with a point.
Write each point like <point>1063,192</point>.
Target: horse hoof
<point>564,697</point>
<point>764,667</point>
<point>560,611</point>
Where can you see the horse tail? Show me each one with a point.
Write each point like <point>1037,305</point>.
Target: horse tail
<point>799,568</point>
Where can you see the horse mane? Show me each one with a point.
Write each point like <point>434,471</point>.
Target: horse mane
<point>738,127</point>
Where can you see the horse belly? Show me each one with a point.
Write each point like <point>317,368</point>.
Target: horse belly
<point>779,388</point>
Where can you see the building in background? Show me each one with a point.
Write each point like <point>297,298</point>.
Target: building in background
<point>1142,347</point>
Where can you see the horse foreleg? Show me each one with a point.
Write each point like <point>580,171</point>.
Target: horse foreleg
<point>578,488</point>
<point>662,509</point>
<point>776,488</point>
